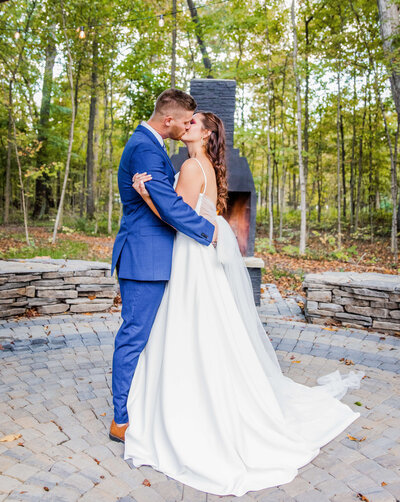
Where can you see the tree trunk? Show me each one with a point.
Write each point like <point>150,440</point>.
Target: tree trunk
<point>306,98</point>
<point>172,143</point>
<point>90,153</point>
<point>389,20</point>
<point>71,129</point>
<point>343,165</point>
<point>21,182</point>
<point>360,159</point>
<point>42,187</point>
<point>302,245</point>
<point>352,163</point>
<point>269,170</point>
<point>199,37</point>
<point>339,190</point>
<point>8,187</point>
<point>110,161</point>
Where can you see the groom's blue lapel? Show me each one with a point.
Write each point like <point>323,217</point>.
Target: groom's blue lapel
<point>150,135</point>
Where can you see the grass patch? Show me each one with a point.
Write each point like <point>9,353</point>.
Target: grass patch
<point>62,249</point>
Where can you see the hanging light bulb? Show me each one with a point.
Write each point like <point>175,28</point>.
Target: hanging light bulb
<point>17,34</point>
<point>82,34</point>
<point>161,21</point>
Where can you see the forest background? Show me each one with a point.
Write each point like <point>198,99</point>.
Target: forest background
<point>317,116</point>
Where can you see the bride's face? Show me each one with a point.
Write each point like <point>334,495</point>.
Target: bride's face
<point>196,131</point>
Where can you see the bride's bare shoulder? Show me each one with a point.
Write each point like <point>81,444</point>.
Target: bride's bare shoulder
<point>191,169</point>
<point>190,165</point>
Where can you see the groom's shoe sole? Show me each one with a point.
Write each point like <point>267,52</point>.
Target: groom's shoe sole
<point>115,438</point>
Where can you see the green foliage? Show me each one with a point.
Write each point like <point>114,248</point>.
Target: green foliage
<point>262,245</point>
<point>246,41</point>
<point>64,249</point>
<point>291,250</point>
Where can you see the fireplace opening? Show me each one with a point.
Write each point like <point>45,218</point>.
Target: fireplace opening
<point>238,215</point>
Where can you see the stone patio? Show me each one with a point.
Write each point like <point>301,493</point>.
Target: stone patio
<point>55,379</point>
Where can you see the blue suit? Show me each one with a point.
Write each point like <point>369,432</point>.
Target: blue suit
<point>142,252</point>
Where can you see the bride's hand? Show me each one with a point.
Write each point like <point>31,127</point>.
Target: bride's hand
<point>139,179</point>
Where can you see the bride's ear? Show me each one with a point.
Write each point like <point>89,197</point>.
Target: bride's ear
<point>206,134</point>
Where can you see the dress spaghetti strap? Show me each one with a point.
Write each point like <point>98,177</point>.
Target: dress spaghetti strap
<point>205,177</point>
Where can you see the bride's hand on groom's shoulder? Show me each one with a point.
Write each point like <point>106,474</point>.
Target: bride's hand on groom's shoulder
<point>139,179</point>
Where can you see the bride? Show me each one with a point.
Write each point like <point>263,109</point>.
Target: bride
<point>208,404</point>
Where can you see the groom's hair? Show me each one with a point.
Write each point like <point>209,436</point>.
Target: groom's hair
<point>171,99</point>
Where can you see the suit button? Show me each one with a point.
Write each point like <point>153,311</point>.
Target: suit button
<point>205,236</point>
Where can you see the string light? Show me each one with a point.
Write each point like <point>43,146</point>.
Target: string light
<point>82,34</point>
<point>125,22</point>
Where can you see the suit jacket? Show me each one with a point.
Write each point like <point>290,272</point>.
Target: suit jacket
<point>144,243</point>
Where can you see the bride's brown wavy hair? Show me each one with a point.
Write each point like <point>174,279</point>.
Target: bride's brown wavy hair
<point>215,150</point>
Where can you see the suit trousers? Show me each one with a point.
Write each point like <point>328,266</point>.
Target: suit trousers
<point>140,302</point>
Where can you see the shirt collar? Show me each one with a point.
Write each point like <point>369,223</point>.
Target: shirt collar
<point>156,134</point>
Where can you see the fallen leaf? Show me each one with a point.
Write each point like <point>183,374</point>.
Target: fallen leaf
<point>91,297</point>
<point>102,477</point>
<point>46,488</point>
<point>361,497</point>
<point>97,461</point>
<point>10,437</point>
<point>146,482</point>
<point>358,403</point>
<point>348,362</point>
<point>291,357</point>
<point>366,427</point>
<point>20,444</point>
<point>352,438</point>
<point>383,483</point>
<point>296,361</point>
<point>102,414</point>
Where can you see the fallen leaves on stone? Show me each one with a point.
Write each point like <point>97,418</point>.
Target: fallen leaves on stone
<point>146,482</point>
<point>352,438</point>
<point>347,362</point>
<point>10,437</point>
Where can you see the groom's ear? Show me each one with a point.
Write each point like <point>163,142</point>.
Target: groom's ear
<point>167,120</point>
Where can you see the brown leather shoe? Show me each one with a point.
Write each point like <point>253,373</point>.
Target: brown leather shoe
<point>118,433</point>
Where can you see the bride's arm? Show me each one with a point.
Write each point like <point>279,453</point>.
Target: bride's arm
<point>138,184</point>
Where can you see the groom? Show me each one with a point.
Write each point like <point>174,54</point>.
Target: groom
<point>142,252</point>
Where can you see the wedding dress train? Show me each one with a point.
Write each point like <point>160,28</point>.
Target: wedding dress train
<point>209,405</point>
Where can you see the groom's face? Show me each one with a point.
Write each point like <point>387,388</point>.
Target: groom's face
<point>178,123</point>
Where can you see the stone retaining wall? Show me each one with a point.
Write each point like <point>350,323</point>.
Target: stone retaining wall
<point>354,300</point>
<point>55,286</point>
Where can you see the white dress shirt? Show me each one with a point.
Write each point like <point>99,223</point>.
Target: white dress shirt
<point>156,134</point>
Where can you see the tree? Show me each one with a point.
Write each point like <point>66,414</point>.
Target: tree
<point>303,209</point>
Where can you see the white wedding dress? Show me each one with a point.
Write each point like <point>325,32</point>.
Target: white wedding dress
<point>209,405</point>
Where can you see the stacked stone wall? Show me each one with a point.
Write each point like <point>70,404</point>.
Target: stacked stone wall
<point>55,286</point>
<point>356,300</point>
